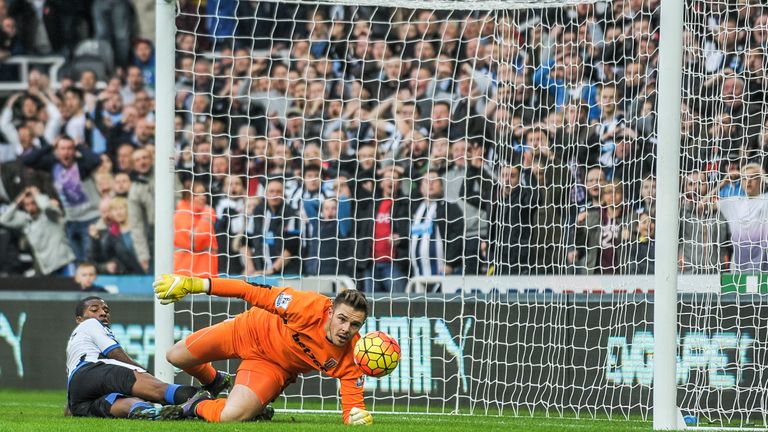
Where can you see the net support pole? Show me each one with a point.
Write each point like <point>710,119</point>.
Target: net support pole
<point>665,416</point>
<point>164,201</point>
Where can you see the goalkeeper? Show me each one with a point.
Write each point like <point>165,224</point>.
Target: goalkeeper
<point>285,333</point>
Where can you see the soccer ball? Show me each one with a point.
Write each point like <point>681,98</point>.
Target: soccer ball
<point>377,354</point>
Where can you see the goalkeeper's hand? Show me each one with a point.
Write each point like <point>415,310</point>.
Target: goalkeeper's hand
<point>359,417</point>
<point>172,288</point>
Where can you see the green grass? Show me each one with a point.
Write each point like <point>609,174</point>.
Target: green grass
<point>42,411</point>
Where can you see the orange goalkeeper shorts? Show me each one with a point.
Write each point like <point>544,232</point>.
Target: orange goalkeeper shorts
<point>221,342</point>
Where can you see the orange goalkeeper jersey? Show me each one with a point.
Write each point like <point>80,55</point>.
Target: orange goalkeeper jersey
<point>288,327</point>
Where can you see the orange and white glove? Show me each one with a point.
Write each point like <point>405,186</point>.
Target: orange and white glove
<point>359,417</point>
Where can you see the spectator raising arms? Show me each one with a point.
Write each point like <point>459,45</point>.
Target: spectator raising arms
<point>71,166</point>
<point>42,222</point>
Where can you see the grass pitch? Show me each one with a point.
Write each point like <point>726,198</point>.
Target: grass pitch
<point>34,411</point>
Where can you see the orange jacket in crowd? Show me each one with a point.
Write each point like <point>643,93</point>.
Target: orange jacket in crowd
<point>194,241</point>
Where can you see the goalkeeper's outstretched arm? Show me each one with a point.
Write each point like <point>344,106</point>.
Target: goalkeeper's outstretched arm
<point>172,288</point>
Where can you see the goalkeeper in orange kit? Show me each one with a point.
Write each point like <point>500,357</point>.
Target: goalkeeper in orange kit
<point>285,333</point>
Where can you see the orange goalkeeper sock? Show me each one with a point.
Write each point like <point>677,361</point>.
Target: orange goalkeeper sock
<point>210,410</point>
<point>205,373</point>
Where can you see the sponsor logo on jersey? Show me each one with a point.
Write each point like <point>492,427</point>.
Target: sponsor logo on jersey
<point>296,338</point>
<point>283,300</point>
<point>331,363</point>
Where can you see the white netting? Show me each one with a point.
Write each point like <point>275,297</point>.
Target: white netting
<point>480,167</point>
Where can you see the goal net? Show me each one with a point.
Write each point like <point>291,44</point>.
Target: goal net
<point>486,172</point>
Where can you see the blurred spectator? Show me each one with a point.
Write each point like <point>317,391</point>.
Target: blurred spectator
<point>469,106</point>
<point>85,276</point>
<point>273,235</point>
<point>29,27</point>
<point>121,185</point>
<point>134,83</point>
<point>746,216</point>
<point>113,22</point>
<point>75,117</point>
<point>513,211</point>
<point>306,201</point>
<point>703,231</point>
<point>641,255</point>
<point>382,233</point>
<point>475,203</point>
<point>113,247</point>
<point>563,73</point>
<point>546,168</point>
<point>144,58</point>
<point>123,131</point>
<point>145,17</point>
<point>87,83</point>
<point>141,207</point>
<point>105,183</point>
<point>11,43</point>
<point>647,203</point>
<point>435,231</point>
<point>71,166</point>
<point>220,171</point>
<point>15,177</point>
<point>107,112</point>
<point>231,212</point>
<point>65,22</point>
<point>333,246</point>
<point>43,224</point>
<point>195,238</point>
<point>603,233</point>
<point>29,120</point>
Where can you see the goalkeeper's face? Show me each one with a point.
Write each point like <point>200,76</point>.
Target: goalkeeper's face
<point>344,324</point>
<point>96,308</point>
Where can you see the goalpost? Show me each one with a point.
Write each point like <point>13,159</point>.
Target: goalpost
<point>549,282</point>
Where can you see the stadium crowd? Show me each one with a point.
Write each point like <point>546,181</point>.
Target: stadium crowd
<point>385,143</point>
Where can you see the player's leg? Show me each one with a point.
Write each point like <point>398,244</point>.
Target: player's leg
<point>195,353</point>
<point>148,387</point>
<point>106,390</point>
<point>242,404</point>
<point>257,383</point>
<point>139,409</point>
<point>118,406</point>
<point>122,407</point>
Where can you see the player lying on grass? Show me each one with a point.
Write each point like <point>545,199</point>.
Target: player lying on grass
<point>285,333</point>
<point>103,381</point>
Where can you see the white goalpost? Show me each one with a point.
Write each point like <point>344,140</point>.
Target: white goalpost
<point>165,14</point>
<point>556,207</point>
<point>665,408</point>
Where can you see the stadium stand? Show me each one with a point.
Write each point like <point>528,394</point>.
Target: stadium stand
<point>103,99</point>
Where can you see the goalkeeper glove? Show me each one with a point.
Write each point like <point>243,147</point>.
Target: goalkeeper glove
<point>172,288</point>
<point>359,417</point>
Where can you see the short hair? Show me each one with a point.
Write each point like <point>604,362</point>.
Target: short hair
<point>442,102</point>
<point>352,298</point>
<point>80,308</point>
<point>76,91</point>
<point>85,264</point>
<point>312,168</point>
<point>63,137</point>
